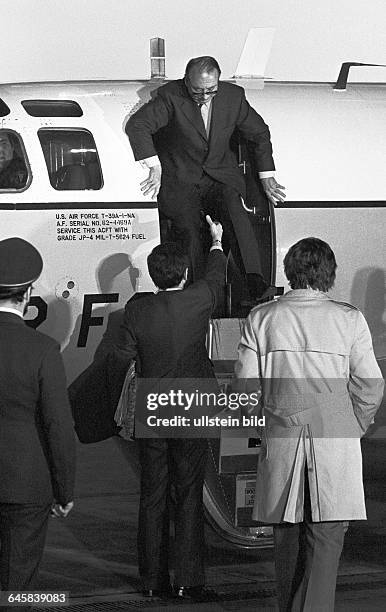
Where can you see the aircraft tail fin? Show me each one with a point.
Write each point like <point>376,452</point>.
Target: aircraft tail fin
<point>255,54</point>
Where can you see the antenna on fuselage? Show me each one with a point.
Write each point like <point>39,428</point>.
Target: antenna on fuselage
<point>341,83</point>
<point>157,58</point>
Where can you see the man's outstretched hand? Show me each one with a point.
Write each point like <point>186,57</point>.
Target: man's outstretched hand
<point>215,229</point>
<point>152,184</point>
<point>273,190</point>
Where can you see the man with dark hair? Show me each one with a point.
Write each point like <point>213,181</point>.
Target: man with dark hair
<point>166,334</point>
<point>13,171</point>
<point>310,263</point>
<point>312,358</point>
<point>37,459</point>
<point>167,264</point>
<point>183,135</point>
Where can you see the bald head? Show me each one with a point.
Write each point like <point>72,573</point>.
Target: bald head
<point>201,78</point>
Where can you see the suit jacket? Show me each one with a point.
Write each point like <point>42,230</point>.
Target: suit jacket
<point>37,457</point>
<point>321,385</point>
<point>166,334</point>
<point>166,331</point>
<point>171,126</point>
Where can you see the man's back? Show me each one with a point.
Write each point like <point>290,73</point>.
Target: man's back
<point>170,330</point>
<point>34,417</point>
<point>167,331</point>
<point>306,334</point>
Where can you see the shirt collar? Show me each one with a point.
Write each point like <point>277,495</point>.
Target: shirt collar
<point>308,293</point>
<point>171,289</point>
<point>12,310</point>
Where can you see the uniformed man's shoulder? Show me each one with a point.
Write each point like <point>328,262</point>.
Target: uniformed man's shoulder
<point>38,342</point>
<point>40,338</point>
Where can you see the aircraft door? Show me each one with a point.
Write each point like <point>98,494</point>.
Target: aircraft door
<point>260,210</point>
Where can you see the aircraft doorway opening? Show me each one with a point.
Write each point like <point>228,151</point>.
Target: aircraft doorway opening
<point>261,216</point>
<point>232,459</point>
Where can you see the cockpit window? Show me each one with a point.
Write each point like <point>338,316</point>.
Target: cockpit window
<point>52,108</point>
<point>14,168</point>
<point>72,159</point>
<point>4,109</point>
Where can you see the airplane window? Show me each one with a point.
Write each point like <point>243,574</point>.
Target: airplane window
<point>52,108</point>
<point>14,168</point>
<point>72,159</point>
<point>4,110</point>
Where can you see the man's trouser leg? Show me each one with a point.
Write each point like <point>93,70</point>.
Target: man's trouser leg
<point>324,543</point>
<point>289,562</point>
<point>23,529</point>
<point>239,230</point>
<point>181,203</point>
<point>186,205</point>
<point>153,519</point>
<point>188,461</point>
<point>307,569</point>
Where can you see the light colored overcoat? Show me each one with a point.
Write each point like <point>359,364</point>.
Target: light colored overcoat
<point>313,359</point>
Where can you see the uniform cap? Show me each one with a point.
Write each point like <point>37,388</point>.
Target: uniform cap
<point>20,263</point>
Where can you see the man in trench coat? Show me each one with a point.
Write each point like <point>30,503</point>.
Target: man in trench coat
<point>321,386</point>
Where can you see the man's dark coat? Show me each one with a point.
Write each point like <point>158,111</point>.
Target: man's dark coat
<point>166,331</point>
<point>181,141</point>
<point>37,457</point>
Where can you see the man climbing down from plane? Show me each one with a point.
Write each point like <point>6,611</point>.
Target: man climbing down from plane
<point>183,136</point>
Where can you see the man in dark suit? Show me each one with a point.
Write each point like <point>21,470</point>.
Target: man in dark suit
<point>37,458</point>
<point>184,136</point>
<point>166,332</point>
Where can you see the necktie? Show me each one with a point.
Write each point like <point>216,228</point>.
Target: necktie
<point>204,108</point>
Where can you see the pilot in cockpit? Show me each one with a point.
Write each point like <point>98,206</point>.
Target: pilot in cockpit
<point>13,171</point>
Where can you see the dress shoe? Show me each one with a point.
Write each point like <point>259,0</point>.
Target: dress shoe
<point>195,593</point>
<point>158,593</point>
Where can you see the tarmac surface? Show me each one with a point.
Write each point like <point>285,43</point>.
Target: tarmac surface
<point>92,553</point>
